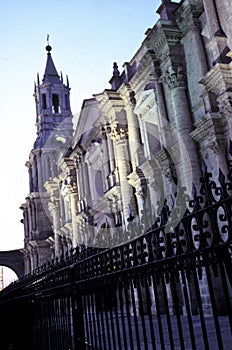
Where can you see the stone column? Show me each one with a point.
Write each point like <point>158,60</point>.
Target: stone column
<point>163,123</point>
<point>184,153</point>
<point>56,226</point>
<point>78,177</point>
<point>81,181</point>
<point>133,131</point>
<point>196,65</point>
<point>111,160</point>
<point>53,190</point>
<point>76,239</point>
<point>119,136</point>
<point>105,158</point>
<point>71,195</point>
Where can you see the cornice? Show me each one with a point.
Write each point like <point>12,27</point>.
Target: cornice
<point>162,159</point>
<point>164,33</point>
<point>109,102</point>
<point>146,105</point>
<point>208,128</point>
<point>218,79</point>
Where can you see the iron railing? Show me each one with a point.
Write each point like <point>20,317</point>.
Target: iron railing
<point>169,288</point>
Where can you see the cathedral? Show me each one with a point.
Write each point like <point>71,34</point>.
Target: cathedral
<point>137,145</point>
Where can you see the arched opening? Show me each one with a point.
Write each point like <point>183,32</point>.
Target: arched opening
<point>55,103</point>
<point>7,276</point>
<point>44,102</point>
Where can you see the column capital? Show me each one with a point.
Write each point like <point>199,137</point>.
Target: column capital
<point>175,77</point>
<point>118,132</point>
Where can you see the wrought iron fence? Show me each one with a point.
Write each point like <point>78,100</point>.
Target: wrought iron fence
<point>169,288</point>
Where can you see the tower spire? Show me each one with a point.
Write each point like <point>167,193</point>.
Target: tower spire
<point>50,74</point>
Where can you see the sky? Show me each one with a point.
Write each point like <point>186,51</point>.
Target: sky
<point>86,38</point>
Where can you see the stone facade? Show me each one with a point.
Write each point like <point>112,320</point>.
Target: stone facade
<point>166,116</point>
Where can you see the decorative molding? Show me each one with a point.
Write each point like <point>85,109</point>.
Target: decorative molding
<point>204,129</point>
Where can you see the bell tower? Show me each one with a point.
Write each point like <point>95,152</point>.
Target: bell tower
<point>54,134</point>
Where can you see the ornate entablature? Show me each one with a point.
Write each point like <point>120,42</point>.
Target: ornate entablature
<point>109,102</point>
<point>164,33</point>
<point>218,79</point>
<point>204,129</point>
<point>188,16</point>
<point>209,133</point>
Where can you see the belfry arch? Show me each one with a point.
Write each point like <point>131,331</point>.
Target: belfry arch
<point>14,260</point>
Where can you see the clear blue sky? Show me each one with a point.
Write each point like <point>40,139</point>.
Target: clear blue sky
<point>86,37</point>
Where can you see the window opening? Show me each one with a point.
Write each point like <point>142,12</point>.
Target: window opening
<point>44,103</point>
<point>55,104</point>
<point>66,102</point>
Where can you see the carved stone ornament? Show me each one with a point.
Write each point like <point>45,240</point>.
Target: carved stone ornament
<point>225,105</point>
<point>118,132</point>
<point>175,78</point>
<point>72,186</point>
<point>204,129</point>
